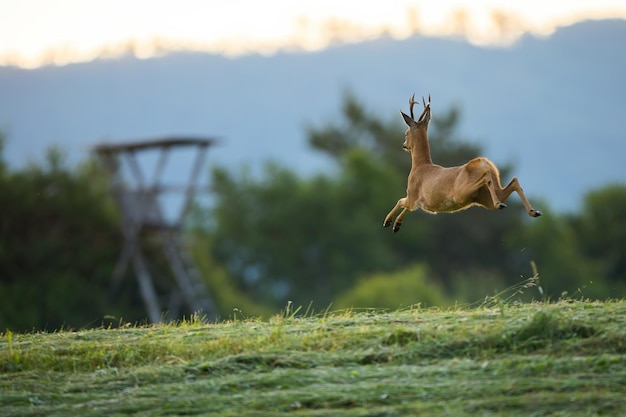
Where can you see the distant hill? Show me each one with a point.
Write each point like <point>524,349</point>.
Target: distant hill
<point>554,106</point>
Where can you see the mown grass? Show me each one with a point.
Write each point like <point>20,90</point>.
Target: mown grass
<point>539,359</point>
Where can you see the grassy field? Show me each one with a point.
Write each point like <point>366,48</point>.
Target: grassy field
<point>560,359</point>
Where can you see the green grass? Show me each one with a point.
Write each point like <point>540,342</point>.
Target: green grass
<point>561,359</point>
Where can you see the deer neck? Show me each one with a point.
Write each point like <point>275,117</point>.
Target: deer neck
<point>420,153</point>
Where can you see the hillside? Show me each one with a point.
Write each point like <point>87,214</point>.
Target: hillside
<point>498,359</point>
<point>553,106</point>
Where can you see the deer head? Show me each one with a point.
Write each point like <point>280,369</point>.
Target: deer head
<point>417,132</point>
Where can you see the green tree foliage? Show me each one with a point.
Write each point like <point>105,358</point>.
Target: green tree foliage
<point>563,269</point>
<point>300,239</point>
<point>282,237</point>
<point>59,239</point>
<point>581,255</point>
<point>601,231</point>
<point>474,238</point>
<point>383,139</point>
<point>278,236</point>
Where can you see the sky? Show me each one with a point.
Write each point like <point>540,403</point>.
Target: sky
<point>43,32</point>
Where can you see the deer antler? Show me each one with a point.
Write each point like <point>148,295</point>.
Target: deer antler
<point>426,109</point>
<point>411,104</point>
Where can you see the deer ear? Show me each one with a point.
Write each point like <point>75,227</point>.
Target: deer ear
<point>408,120</point>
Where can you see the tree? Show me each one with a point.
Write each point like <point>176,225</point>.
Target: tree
<point>59,240</point>
<point>383,138</point>
<point>601,231</point>
<point>282,237</point>
<point>563,269</point>
<point>581,254</point>
<point>474,238</point>
<point>299,239</point>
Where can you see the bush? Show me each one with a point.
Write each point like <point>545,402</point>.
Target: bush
<point>394,290</point>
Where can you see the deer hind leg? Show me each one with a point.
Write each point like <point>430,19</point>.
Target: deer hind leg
<point>482,184</point>
<point>504,193</point>
<point>489,193</point>
<point>488,197</point>
<point>398,222</point>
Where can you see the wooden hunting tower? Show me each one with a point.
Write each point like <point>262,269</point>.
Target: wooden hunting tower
<point>139,200</point>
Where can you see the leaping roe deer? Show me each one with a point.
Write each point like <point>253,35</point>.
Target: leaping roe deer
<point>437,189</point>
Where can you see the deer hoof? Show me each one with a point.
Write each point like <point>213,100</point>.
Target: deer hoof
<point>501,206</point>
<point>396,227</point>
<point>387,224</point>
<point>535,213</point>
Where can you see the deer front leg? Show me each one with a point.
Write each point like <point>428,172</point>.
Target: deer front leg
<point>398,222</point>
<point>389,218</point>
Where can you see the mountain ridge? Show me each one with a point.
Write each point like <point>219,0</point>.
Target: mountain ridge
<point>539,103</point>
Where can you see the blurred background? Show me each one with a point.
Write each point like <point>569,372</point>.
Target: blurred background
<point>303,99</point>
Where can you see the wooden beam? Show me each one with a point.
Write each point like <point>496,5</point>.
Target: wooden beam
<point>154,143</point>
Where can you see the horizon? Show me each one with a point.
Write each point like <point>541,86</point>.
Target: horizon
<point>71,31</point>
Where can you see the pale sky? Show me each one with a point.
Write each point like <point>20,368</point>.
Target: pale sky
<point>39,32</point>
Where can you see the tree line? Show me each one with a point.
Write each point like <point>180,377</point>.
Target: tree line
<point>277,237</point>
